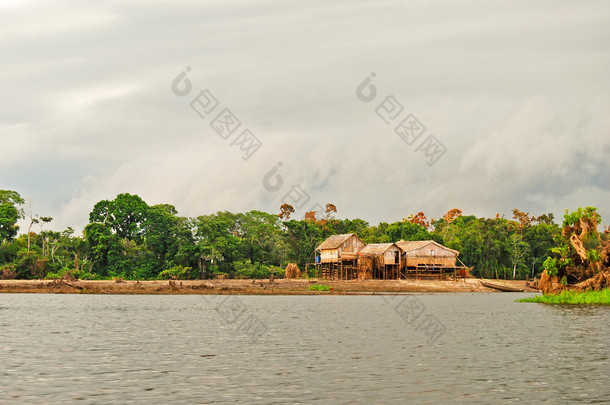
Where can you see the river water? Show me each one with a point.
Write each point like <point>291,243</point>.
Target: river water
<point>459,348</point>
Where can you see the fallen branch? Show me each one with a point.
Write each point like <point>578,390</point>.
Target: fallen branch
<point>71,285</point>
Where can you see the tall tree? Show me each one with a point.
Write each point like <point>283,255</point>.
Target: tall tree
<point>303,237</point>
<point>407,231</point>
<point>451,215</point>
<point>419,218</point>
<point>35,219</point>
<point>125,215</point>
<point>10,213</point>
<point>161,234</point>
<point>518,251</point>
<point>285,211</point>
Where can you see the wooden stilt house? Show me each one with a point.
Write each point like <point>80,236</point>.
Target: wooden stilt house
<point>427,258</point>
<point>338,257</point>
<point>380,261</point>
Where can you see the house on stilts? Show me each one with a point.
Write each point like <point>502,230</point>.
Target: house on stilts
<point>338,257</point>
<point>380,261</point>
<point>346,257</point>
<point>427,258</point>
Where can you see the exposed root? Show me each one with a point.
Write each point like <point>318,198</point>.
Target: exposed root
<point>595,283</point>
<point>580,249</point>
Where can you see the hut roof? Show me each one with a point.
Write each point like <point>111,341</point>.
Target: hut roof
<point>410,245</point>
<point>334,241</point>
<point>374,249</point>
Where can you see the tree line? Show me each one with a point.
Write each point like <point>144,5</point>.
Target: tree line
<point>127,238</point>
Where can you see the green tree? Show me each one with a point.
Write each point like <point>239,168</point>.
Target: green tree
<point>125,215</point>
<point>407,230</point>
<point>161,234</point>
<point>10,213</point>
<point>218,236</point>
<point>302,239</point>
<point>540,239</point>
<point>262,238</point>
<point>103,247</point>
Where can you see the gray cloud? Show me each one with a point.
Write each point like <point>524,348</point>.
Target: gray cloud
<point>517,92</point>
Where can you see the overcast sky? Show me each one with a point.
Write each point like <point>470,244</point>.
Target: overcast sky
<point>517,94</point>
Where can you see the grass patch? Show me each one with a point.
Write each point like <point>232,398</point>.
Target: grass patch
<point>573,298</point>
<point>319,287</point>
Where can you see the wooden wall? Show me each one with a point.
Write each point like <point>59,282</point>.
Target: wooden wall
<point>329,255</point>
<point>352,245</point>
<point>389,256</point>
<point>441,256</point>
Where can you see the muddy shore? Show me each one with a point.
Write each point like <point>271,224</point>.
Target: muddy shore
<point>248,287</point>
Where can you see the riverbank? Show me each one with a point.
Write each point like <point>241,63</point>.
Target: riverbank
<point>573,298</point>
<point>248,287</point>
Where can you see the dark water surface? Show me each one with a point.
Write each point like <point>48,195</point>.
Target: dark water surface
<point>465,348</point>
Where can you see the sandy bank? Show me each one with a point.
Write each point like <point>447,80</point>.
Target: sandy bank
<point>245,287</point>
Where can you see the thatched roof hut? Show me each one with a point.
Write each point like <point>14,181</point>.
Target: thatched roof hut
<point>390,252</point>
<point>340,247</point>
<point>380,260</point>
<point>427,252</point>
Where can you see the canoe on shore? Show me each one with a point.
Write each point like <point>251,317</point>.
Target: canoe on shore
<point>500,287</point>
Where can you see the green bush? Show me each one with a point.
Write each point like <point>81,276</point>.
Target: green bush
<point>7,271</point>
<point>85,275</point>
<point>550,265</point>
<point>319,287</point>
<point>247,269</point>
<point>178,273</point>
<point>30,265</point>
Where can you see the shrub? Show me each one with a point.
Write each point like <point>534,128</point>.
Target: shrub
<point>550,265</point>
<point>247,269</point>
<point>178,273</point>
<point>319,287</point>
<point>30,265</point>
<point>7,272</point>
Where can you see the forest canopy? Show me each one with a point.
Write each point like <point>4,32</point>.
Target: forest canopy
<point>127,238</point>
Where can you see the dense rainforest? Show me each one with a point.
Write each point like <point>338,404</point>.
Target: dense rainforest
<point>127,238</point>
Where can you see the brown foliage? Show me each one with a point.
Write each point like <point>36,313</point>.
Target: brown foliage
<point>523,218</point>
<point>310,216</point>
<point>7,272</point>
<point>420,219</point>
<point>285,211</point>
<point>330,209</point>
<point>451,215</point>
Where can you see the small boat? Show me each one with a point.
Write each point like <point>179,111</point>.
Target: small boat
<point>500,287</point>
